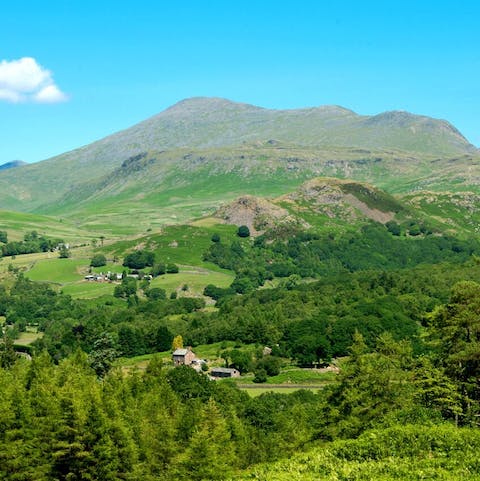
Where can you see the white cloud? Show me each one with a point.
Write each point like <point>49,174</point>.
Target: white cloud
<point>50,95</point>
<point>24,80</point>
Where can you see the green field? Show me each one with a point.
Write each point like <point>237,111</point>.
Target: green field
<point>88,290</point>
<point>259,390</point>
<point>26,338</point>
<point>17,224</point>
<point>59,271</point>
<point>195,278</point>
<point>25,261</point>
<point>302,376</point>
<point>67,273</point>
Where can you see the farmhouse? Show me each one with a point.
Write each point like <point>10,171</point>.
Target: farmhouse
<point>183,357</point>
<point>220,372</point>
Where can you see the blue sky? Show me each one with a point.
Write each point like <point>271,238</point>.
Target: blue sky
<point>114,63</point>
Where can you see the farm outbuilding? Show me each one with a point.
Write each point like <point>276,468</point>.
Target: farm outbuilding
<point>221,372</point>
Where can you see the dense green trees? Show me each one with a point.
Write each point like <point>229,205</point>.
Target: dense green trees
<point>410,343</point>
<point>75,416</point>
<point>98,260</point>
<point>31,243</point>
<point>455,336</point>
<point>139,259</point>
<point>243,231</point>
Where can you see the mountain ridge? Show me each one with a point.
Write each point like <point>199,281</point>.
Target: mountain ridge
<point>12,164</point>
<point>199,146</point>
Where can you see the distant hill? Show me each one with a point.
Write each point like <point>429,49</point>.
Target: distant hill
<point>184,161</point>
<point>12,164</point>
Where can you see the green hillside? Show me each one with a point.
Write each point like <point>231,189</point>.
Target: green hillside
<point>18,223</point>
<point>408,453</point>
<point>181,163</point>
<point>454,212</point>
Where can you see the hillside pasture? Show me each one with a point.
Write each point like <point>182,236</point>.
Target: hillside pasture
<point>179,244</point>
<point>17,224</point>
<point>88,290</point>
<point>195,278</point>
<point>58,271</point>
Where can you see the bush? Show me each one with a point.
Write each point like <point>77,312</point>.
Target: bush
<point>156,293</point>
<point>260,376</point>
<point>269,364</point>
<point>158,269</point>
<point>139,259</point>
<point>243,231</point>
<point>393,228</point>
<point>98,260</point>
<point>215,238</point>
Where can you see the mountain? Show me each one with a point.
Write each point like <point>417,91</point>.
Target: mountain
<point>183,161</point>
<point>12,164</point>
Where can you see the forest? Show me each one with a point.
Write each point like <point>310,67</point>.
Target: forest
<point>402,323</point>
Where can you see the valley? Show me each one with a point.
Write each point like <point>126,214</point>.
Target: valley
<point>331,258</point>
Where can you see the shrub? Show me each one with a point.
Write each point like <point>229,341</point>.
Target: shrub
<point>98,260</point>
<point>243,231</point>
<point>260,376</point>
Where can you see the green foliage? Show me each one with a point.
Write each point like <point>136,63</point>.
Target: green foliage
<point>31,243</point>
<point>372,385</point>
<point>163,339</point>
<point>139,259</point>
<point>407,452</point>
<point>3,236</point>
<point>172,268</point>
<point>64,252</point>
<point>243,231</point>
<point>393,227</point>
<point>158,269</point>
<point>103,354</point>
<point>260,376</point>
<point>156,293</point>
<point>188,384</point>
<point>456,338</point>
<point>7,352</point>
<point>270,364</point>
<point>127,288</point>
<point>98,260</point>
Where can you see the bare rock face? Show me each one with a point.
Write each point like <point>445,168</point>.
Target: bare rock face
<point>256,213</point>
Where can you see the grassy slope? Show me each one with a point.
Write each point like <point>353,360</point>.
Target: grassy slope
<point>205,150</point>
<point>18,223</point>
<point>457,213</point>
<point>196,280</point>
<point>174,190</point>
<point>180,244</point>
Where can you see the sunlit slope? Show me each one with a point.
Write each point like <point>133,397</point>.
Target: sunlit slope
<point>204,148</point>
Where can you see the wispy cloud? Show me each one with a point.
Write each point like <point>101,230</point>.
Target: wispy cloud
<point>24,80</point>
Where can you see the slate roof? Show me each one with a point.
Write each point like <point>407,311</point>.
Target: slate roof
<point>224,369</point>
<point>180,352</point>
